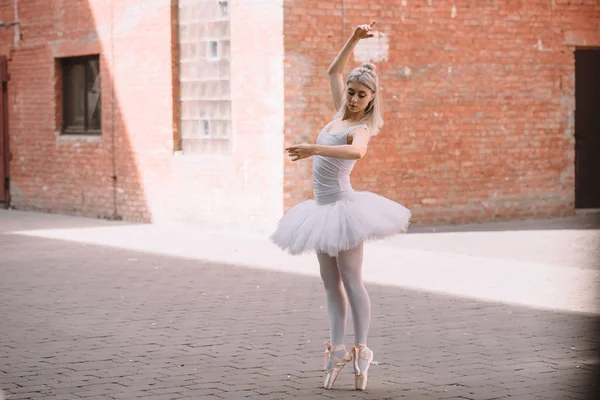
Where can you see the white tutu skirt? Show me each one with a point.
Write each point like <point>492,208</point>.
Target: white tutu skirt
<point>341,224</point>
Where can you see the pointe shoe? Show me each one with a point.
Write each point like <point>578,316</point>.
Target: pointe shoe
<point>360,377</point>
<point>333,372</point>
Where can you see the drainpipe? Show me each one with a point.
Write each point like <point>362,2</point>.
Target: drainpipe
<point>17,24</point>
<point>112,113</point>
<point>343,35</point>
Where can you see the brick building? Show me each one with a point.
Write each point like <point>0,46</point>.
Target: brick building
<point>162,110</point>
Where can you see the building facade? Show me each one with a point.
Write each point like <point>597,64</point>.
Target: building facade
<point>157,133</point>
<point>164,110</point>
<point>479,99</point>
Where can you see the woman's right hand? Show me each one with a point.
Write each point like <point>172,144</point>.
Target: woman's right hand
<point>363,31</point>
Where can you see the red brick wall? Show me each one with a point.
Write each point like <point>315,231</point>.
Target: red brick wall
<point>479,102</point>
<point>60,173</point>
<point>6,34</point>
<point>479,105</point>
<point>154,183</point>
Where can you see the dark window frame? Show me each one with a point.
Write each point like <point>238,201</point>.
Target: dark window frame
<point>214,44</point>
<point>65,64</point>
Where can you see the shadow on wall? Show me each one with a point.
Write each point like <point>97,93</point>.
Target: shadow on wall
<point>70,135</point>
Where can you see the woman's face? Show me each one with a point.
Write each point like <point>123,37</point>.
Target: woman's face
<point>358,97</point>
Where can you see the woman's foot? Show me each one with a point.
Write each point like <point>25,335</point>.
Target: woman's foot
<point>335,359</point>
<point>362,360</point>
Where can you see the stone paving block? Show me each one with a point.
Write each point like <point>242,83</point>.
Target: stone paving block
<point>127,394</point>
<point>25,396</point>
<point>273,396</point>
<point>171,396</point>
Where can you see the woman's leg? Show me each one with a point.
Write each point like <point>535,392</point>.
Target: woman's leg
<point>350,268</point>
<point>336,301</point>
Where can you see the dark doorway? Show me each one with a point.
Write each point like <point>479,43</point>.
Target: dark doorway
<point>4,155</point>
<point>587,129</point>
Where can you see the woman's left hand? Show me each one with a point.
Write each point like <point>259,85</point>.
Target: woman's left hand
<point>300,151</point>
<point>364,31</point>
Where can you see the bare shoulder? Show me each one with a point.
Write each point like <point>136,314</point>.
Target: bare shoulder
<point>361,133</point>
<point>361,130</point>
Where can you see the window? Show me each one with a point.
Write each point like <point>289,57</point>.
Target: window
<point>204,128</point>
<point>203,91</point>
<point>81,95</point>
<point>223,12</point>
<point>213,50</point>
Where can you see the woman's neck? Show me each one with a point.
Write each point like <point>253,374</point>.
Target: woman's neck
<point>354,117</point>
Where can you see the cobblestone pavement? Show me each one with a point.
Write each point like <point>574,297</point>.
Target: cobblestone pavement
<point>81,317</point>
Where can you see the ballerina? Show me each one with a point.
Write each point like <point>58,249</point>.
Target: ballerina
<point>337,222</point>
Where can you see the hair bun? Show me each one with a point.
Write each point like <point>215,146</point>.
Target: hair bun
<point>369,66</point>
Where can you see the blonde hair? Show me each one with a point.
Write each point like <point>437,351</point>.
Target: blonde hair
<point>373,118</point>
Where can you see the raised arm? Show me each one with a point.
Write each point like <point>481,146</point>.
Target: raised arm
<point>336,70</point>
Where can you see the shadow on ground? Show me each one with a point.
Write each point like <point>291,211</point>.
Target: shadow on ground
<point>583,222</point>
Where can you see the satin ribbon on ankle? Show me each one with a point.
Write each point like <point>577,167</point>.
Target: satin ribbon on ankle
<point>329,353</point>
<point>356,350</point>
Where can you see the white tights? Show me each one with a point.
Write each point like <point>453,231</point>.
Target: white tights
<point>343,275</point>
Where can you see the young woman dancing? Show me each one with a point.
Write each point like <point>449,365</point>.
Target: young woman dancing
<point>337,222</point>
